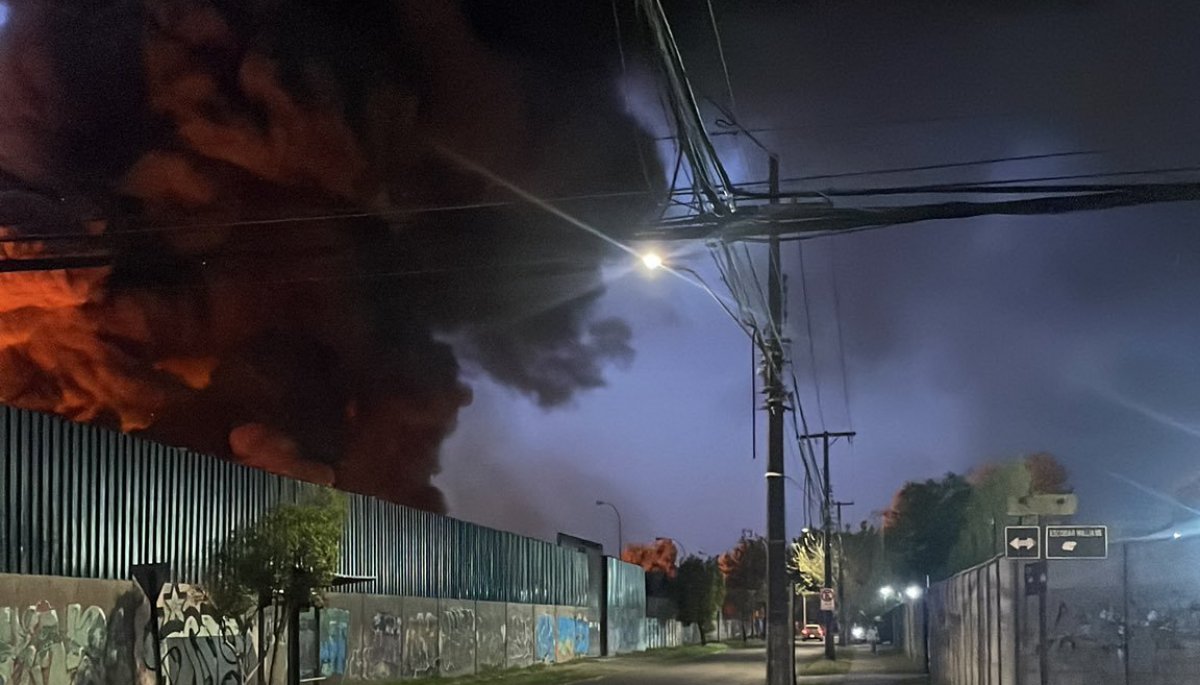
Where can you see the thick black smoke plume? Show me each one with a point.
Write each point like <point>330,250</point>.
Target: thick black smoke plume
<point>262,177</point>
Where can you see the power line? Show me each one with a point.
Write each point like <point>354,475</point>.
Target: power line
<point>295,221</point>
<point>837,318</point>
<point>812,347</point>
<point>721,52</point>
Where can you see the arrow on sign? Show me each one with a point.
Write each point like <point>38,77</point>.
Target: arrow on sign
<point>1023,543</point>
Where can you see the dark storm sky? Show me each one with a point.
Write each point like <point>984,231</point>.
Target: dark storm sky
<point>964,341</point>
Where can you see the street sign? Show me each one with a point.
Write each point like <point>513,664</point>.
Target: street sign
<point>828,599</point>
<point>1076,542</point>
<point>1036,575</point>
<point>1022,542</point>
<point>1043,505</point>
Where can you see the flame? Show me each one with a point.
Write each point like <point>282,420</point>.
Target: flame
<point>261,342</point>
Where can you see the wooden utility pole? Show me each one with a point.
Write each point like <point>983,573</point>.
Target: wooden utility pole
<point>841,586</point>
<point>780,644</point>
<point>827,516</point>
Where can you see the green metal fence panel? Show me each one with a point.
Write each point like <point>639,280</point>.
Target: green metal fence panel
<point>82,501</point>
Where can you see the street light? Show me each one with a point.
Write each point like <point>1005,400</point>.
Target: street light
<point>887,591</point>
<point>913,592</point>
<point>653,261</point>
<point>780,651</point>
<point>620,534</point>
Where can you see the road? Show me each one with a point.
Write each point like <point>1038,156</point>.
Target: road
<point>748,667</point>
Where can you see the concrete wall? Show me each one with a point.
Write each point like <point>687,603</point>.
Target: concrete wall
<point>67,631</point>
<point>393,638</point>
<point>62,631</point>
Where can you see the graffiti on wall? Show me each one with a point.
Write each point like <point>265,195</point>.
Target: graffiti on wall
<point>583,635</point>
<point>421,645</point>
<point>544,638</point>
<point>490,636</point>
<point>197,645</point>
<point>334,639</point>
<point>380,653</point>
<point>520,650</point>
<point>564,646</point>
<point>79,646</point>
<point>457,640</point>
<point>37,647</point>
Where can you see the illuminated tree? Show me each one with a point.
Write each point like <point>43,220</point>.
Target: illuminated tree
<point>284,561</point>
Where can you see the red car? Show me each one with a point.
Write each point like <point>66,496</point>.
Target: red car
<point>812,631</point>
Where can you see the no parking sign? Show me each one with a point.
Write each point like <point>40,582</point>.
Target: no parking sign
<point>828,599</point>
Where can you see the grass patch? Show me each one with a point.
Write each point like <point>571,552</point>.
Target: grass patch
<point>823,667</point>
<point>679,653</point>
<point>541,674</point>
<point>737,643</point>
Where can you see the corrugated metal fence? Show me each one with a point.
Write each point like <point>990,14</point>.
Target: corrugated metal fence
<point>82,501</point>
<point>972,630</point>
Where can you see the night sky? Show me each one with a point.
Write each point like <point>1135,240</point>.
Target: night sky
<point>306,272</point>
<point>964,342</point>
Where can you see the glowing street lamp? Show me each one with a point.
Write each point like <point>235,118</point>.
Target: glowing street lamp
<point>652,261</point>
<point>887,591</point>
<point>913,592</point>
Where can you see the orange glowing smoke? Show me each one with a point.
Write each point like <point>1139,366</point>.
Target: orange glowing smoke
<point>216,152</point>
<point>216,357</point>
<point>659,556</point>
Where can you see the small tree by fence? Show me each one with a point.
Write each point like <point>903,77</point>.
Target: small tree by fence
<point>700,592</point>
<point>284,561</point>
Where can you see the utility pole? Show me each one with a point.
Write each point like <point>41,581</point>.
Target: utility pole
<point>780,645</point>
<point>841,586</point>
<point>827,516</point>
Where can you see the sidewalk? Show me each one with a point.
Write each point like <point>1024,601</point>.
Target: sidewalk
<point>857,665</point>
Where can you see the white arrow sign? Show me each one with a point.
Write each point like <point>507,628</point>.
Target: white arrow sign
<point>1023,543</point>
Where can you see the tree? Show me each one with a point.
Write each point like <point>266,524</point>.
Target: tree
<point>700,592</point>
<point>923,525</point>
<point>745,570</point>
<point>284,561</point>
<point>806,561</point>
<point>986,511</point>
<point>866,570</point>
<point>1046,475</point>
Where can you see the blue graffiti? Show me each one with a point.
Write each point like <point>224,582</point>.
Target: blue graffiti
<point>333,641</point>
<point>583,637</point>
<point>544,644</point>
<point>566,638</point>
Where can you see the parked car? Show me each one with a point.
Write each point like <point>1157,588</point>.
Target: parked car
<point>812,631</point>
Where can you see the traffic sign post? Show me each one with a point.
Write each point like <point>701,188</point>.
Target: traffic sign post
<point>828,599</point>
<point>1022,542</point>
<point>1076,542</point>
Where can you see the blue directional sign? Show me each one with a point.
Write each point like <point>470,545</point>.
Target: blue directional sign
<point>1022,542</point>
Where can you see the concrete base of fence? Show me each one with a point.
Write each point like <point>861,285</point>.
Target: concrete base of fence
<point>101,631</point>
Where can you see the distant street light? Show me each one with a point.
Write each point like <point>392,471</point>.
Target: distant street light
<point>913,592</point>
<point>887,592</point>
<point>620,533</point>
